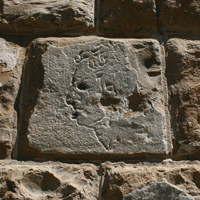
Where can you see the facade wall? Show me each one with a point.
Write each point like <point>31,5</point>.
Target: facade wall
<point>99,99</point>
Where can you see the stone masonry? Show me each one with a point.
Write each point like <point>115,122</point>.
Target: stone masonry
<point>99,99</point>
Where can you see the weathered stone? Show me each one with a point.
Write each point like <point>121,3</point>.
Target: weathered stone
<point>120,179</point>
<point>180,17</point>
<point>44,181</point>
<point>183,75</point>
<point>93,96</point>
<point>127,17</point>
<point>10,75</point>
<point>157,191</point>
<point>47,17</point>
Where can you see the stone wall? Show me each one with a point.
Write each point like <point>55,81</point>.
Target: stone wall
<point>99,99</point>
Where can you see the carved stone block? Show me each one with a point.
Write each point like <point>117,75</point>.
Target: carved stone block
<point>94,97</point>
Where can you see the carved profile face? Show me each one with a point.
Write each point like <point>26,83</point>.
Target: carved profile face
<point>99,97</point>
<point>102,81</point>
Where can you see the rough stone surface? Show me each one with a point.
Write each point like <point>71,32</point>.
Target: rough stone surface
<point>10,77</point>
<point>94,97</point>
<point>127,17</point>
<point>183,76</point>
<point>157,191</point>
<point>180,17</point>
<point>54,180</point>
<point>47,16</point>
<point>120,179</point>
<point>46,181</point>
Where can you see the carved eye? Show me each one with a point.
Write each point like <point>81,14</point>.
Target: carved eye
<point>110,88</point>
<point>82,86</point>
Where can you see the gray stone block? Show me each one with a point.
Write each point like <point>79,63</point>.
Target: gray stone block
<point>157,191</point>
<point>91,96</point>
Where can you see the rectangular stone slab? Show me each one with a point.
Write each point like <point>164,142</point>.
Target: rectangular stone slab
<point>93,96</point>
<point>47,17</point>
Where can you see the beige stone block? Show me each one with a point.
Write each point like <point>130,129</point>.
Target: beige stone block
<point>11,61</point>
<point>165,180</point>
<point>42,181</point>
<point>47,17</point>
<point>183,60</point>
